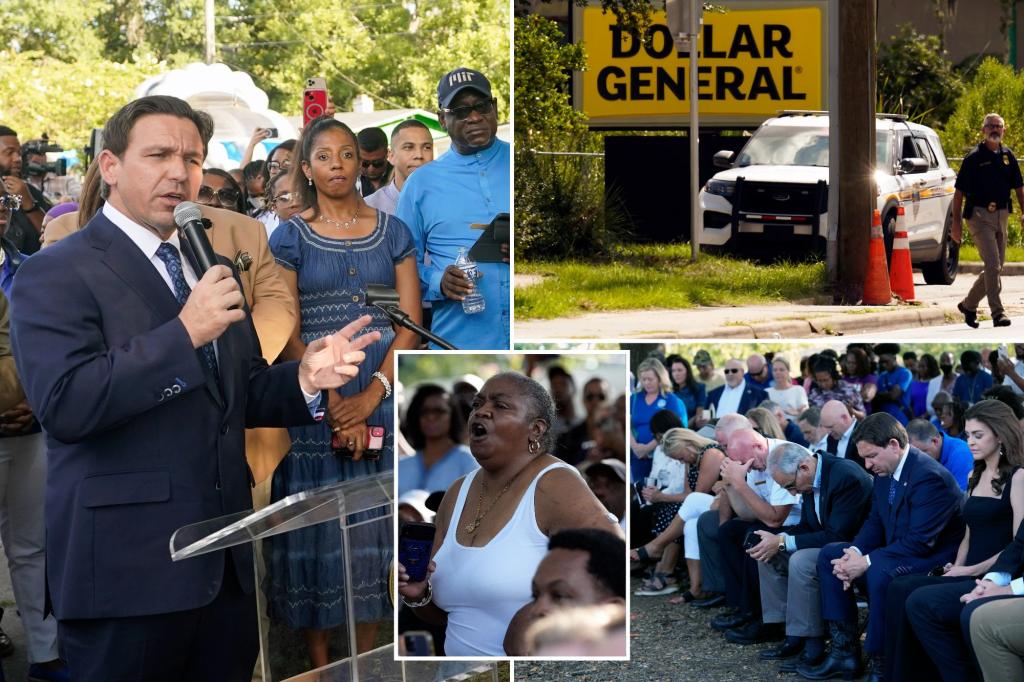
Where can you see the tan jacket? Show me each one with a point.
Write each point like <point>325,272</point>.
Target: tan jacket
<point>275,312</point>
<point>10,387</point>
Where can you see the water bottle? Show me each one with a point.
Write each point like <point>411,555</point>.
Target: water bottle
<point>663,479</point>
<point>474,301</point>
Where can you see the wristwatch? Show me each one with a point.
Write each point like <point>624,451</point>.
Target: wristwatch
<point>782,542</point>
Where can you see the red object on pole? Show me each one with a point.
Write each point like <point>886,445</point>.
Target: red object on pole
<point>876,283</point>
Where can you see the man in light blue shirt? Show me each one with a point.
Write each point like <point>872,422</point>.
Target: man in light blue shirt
<point>952,453</point>
<point>470,184</point>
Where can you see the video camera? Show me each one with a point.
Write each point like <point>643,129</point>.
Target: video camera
<point>42,146</point>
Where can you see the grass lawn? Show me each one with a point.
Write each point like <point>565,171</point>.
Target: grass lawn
<point>659,276</point>
<point>1014,254</point>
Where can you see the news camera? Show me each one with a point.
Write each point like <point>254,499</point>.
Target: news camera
<point>42,146</point>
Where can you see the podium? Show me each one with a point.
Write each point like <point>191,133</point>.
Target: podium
<point>359,516</point>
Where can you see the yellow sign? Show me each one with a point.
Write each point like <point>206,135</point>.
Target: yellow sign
<point>752,62</point>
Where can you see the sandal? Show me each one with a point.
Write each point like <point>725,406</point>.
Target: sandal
<point>641,554</point>
<point>657,586</point>
<point>686,597</point>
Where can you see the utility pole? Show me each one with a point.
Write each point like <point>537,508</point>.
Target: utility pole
<point>856,145</point>
<point>211,40</point>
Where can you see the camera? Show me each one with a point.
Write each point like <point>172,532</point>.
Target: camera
<point>42,146</point>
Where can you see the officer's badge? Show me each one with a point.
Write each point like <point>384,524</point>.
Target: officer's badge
<point>1006,159</point>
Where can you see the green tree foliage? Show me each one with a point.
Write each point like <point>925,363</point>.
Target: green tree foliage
<point>543,62</point>
<point>393,50</point>
<point>916,78</point>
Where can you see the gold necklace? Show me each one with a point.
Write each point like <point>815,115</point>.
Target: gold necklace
<point>475,523</point>
<point>342,225</point>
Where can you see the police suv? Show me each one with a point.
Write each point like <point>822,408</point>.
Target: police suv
<point>776,190</point>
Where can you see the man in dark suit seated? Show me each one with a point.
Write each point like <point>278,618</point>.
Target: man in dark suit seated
<point>941,614</point>
<point>144,373</point>
<point>840,424</point>
<point>736,395</point>
<point>915,524</point>
<point>836,498</point>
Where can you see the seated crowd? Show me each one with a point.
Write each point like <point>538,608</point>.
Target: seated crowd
<point>864,518</point>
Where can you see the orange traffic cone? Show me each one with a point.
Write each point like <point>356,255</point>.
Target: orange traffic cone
<point>902,274</point>
<point>876,281</point>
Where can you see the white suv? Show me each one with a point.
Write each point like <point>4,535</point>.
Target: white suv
<point>776,190</point>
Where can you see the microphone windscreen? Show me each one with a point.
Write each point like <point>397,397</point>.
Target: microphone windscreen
<point>186,212</point>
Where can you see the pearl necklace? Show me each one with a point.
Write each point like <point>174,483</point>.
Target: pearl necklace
<point>341,225</point>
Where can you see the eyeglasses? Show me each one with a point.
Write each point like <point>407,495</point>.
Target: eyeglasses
<point>791,486</point>
<point>732,371</point>
<point>994,125</point>
<point>594,396</point>
<point>376,163</point>
<point>275,166</point>
<point>482,107</point>
<point>227,196</point>
<point>10,202</point>
<point>283,198</point>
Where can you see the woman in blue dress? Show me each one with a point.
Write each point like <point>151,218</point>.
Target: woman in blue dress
<point>655,394</point>
<point>330,252</point>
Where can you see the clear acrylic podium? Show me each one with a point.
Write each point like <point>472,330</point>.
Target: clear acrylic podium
<point>362,508</point>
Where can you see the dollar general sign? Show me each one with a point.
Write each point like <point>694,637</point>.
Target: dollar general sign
<point>753,60</point>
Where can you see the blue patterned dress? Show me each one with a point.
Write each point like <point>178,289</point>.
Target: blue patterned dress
<point>305,568</point>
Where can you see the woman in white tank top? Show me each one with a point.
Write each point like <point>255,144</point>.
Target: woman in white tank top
<point>493,525</point>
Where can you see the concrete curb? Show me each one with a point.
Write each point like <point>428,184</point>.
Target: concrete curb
<point>975,268</point>
<point>832,325</point>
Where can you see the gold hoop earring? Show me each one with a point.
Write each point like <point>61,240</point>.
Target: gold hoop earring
<point>533,447</point>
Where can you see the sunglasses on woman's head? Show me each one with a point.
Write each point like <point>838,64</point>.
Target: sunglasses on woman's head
<point>226,195</point>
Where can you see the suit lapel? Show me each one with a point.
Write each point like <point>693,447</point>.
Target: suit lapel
<point>126,261</point>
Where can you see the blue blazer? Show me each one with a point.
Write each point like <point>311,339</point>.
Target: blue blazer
<point>925,518</point>
<point>139,442</point>
<point>751,398</point>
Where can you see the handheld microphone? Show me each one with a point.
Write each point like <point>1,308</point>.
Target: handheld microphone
<point>189,219</point>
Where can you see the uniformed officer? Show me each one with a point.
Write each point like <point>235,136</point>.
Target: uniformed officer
<point>986,177</point>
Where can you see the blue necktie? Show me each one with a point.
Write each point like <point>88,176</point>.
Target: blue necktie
<point>172,259</point>
<point>892,489</point>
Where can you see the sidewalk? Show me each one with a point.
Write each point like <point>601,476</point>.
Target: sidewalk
<point>935,306</point>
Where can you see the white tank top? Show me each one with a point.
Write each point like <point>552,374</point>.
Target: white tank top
<point>481,588</point>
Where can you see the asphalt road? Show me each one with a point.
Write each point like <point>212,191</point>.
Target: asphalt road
<point>934,309</point>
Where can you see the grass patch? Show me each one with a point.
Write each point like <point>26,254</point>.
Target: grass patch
<point>644,276</point>
<point>1014,254</point>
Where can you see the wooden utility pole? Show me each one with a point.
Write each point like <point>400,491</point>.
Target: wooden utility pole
<point>856,145</point>
<point>211,39</point>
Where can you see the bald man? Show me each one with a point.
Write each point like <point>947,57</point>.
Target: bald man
<point>758,373</point>
<point>840,424</point>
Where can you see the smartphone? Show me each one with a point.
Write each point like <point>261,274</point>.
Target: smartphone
<point>418,643</point>
<point>751,541</point>
<point>271,133</point>
<point>1003,352</point>
<point>415,540</point>
<point>314,99</point>
<point>375,442</point>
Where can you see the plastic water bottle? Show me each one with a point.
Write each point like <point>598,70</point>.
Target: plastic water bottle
<point>474,301</point>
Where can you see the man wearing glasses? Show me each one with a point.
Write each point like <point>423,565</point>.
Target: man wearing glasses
<point>441,201</point>
<point>986,177</point>
<point>836,498</point>
<point>736,395</point>
<point>373,155</point>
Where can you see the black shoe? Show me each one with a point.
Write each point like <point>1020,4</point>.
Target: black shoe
<point>792,664</point>
<point>709,602</point>
<point>788,649</point>
<point>755,632</point>
<point>970,316</point>
<point>1000,320</point>
<point>729,621</point>
<point>6,645</point>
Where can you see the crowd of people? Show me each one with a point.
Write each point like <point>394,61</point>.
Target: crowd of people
<point>147,355</point>
<point>520,575</point>
<point>878,487</point>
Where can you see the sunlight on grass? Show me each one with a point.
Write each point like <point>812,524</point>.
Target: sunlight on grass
<point>659,276</point>
<point>1014,254</point>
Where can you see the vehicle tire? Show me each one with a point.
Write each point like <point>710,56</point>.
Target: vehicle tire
<point>889,235</point>
<point>945,269</point>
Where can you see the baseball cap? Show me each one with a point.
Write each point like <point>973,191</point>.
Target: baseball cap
<point>612,468</point>
<point>454,82</point>
<point>702,357</point>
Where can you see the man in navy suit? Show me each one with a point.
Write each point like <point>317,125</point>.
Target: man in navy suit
<point>737,395</point>
<point>914,525</point>
<point>144,376</point>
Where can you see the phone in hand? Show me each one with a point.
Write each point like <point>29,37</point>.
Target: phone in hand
<point>314,99</point>
<point>418,643</point>
<point>271,133</point>
<point>415,540</point>
<point>375,442</point>
<point>751,541</point>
